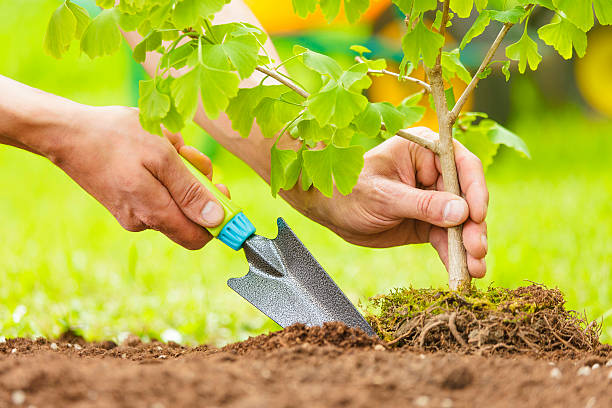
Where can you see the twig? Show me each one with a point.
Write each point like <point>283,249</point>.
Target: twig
<point>423,84</point>
<point>439,321</point>
<point>485,62</point>
<point>421,141</point>
<point>284,81</point>
<point>568,345</point>
<point>445,10</point>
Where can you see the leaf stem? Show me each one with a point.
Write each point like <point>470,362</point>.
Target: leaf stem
<point>417,81</point>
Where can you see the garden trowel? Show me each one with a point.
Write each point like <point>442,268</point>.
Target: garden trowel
<point>284,281</point>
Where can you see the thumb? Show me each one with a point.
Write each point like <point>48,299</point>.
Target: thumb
<point>435,207</point>
<point>194,200</point>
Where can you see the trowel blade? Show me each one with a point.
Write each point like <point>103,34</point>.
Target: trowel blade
<point>289,286</point>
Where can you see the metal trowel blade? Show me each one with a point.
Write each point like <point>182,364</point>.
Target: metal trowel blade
<point>289,286</point>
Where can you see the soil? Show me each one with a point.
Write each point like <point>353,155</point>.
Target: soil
<point>330,366</point>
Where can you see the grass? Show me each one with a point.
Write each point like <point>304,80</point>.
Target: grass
<point>65,262</point>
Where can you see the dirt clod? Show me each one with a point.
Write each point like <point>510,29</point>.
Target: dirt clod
<point>458,378</point>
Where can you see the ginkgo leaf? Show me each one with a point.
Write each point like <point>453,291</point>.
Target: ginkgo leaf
<point>241,108</point>
<point>185,91</point>
<point>304,7</point>
<point>506,70</point>
<point>579,12</point>
<point>476,140</point>
<point>188,12</point>
<point>500,135</point>
<point>60,31</point>
<point>329,8</point>
<point>154,105</point>
<point>356,78</point>
<point>480,24</point>
<point>339,166</point>
<point>415,7</point>
<point>563,36</point>
<point>452,66</point>
<point>513,15</point>
<point>463,8</point>
<point>320,63</point>
<point>524,51</point>
<point>217,86</point>
<point>335,104</point>
<point>102,36</point>
<point>82,18</point>
<point>603,11</point>
<point>281,165</point>
<point>272,114</point>
<point>241,52</point>
<point>422,42</point>
<point>312,133</point>
<point>354,9</point>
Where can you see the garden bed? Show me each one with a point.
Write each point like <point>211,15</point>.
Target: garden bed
<point>326,366</point>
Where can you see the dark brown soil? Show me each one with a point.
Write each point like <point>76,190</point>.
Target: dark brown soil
<point>332,366</point>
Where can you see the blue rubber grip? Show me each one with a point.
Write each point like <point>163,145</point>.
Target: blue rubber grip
<point>236,231</point>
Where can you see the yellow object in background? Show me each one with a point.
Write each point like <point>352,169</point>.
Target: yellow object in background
<point>278,17</point>
<point>594,71</point>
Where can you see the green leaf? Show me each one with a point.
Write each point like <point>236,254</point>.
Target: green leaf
<point>341,165</point>
<point>463,8</point>
<point>61,31</point>
<point>304,7</point>
<point>415,7</point>
<point>412,113</point>
<point>356,78</point>
<point>360,49</point>
<point>512,16</point>
<point>506,70</point>
<point>369,121</point>
<point>524,51</point>
<point>392,117</point>
<point>603,10</point>
<point>153,104</point>
<point>330,8</point>
<point>579,12</point>
<point>241,52</point>
<point>476,140</point>
<point>449,95</point>
<point>241,108</point>
<point>480,24</point>
<point>563,35</point>
<point>217,86</point>
<point>343,137</point>
<point>185,91</point>
<point>422,42</point>
<point>485,73</point>
<point>452,66</point>
<point>105,3</point>
<point>320,63</point>
<point>272,115</point>
<point>102,36</point>
<point>282,162</point>
<point>188,12</point>
<point>500,135</point>
<point>173,121</point>
<point>149,43</point>
<point>335,104</point>
<point>177,58</point>
<point>82,18</point>
<point>354,9</point>
<point>312,133</point>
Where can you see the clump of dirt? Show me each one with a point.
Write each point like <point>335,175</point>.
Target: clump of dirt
<point>529,319</point>
<point>330,334</point>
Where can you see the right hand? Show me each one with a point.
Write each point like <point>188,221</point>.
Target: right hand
<point>140,178</point>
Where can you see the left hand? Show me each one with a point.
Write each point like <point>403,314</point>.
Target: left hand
<point>399,199</point>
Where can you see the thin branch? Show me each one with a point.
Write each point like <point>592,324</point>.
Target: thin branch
<point>485,62</point>
<point>283,81</point>
<point>445,11</point>
<point>421,141</point>
<point>423,84</point>
<point>404,133</point>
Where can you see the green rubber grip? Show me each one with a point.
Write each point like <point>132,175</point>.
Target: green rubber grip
<point>228,205</point>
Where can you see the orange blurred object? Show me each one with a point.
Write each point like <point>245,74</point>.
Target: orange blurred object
<point>278,17</point>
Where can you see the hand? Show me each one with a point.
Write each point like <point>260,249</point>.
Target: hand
<point>140,178</point>
<point>399,200</point>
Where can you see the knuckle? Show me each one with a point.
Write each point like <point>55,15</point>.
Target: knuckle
<point>130,223</point>
<point>193,194</point>
<point>424,203</point>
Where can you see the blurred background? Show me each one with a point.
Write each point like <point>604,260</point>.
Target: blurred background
<point>66,263</point>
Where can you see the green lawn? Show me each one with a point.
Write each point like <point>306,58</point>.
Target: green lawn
<point>69,263</point>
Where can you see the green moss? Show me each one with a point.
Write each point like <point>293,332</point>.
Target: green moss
<point>386,312</point>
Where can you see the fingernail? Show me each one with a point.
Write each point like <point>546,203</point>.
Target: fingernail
<point>212,214</point>
<point>454,211</point>
<point>485,244</point>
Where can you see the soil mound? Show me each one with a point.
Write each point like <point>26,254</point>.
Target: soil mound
<point>530,320</point>
<point>330,334</point>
